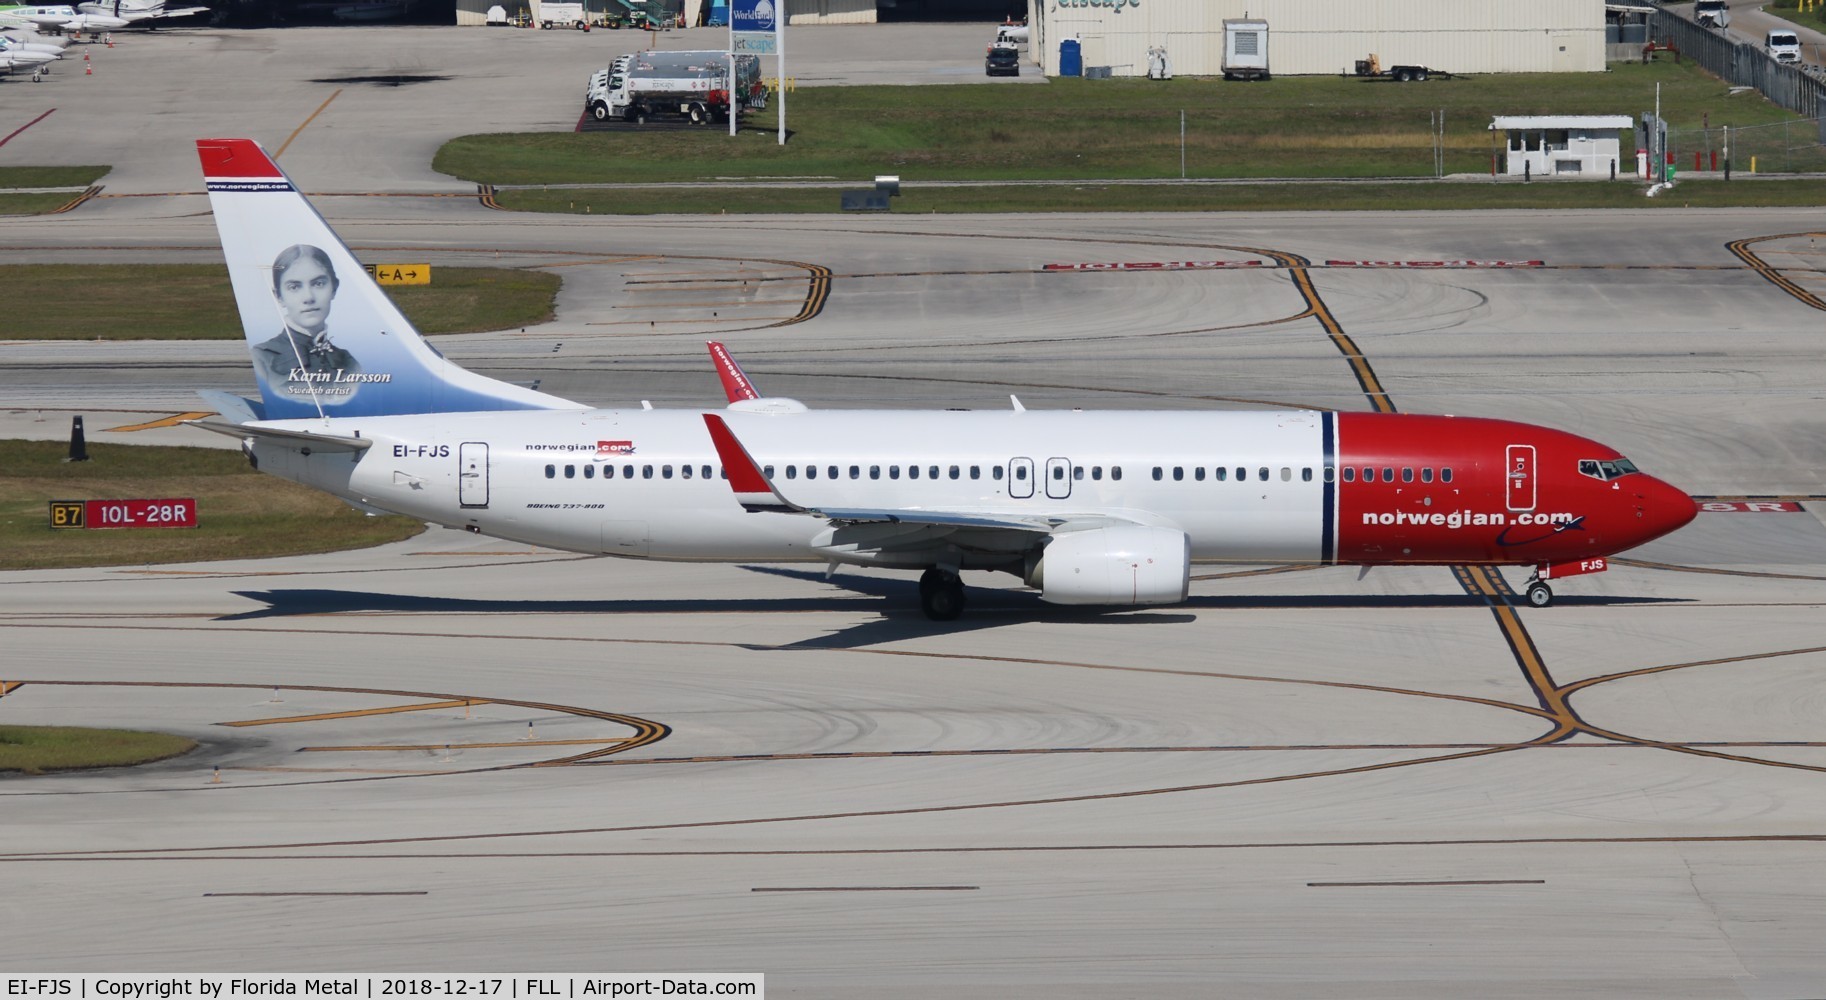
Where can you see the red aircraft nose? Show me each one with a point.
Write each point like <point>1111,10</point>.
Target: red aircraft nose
<point>1663,508</point>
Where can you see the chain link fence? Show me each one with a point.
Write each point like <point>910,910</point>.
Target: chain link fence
<point>1779,148</point>
<point>1800,89</point>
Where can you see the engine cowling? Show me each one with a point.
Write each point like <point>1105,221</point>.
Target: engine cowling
<point>1122,564</point>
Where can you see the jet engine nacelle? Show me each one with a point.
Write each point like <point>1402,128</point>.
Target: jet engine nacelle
<point>1123,564</point>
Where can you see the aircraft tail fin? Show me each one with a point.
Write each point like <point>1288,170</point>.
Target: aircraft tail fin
<point>325,340</point>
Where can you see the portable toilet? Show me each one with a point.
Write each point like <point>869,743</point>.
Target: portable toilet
<point>1071,58</point>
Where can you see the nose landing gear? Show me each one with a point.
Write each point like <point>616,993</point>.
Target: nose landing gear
<point>1539,594</point>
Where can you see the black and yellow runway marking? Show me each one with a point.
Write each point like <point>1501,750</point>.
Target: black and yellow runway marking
<point>356,713</point>
<point>1772,274</point>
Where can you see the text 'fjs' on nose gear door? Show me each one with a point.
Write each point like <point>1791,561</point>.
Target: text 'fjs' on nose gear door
<point>1519,472</point>
<point>472,474</point>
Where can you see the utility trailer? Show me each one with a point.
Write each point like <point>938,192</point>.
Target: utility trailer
<point>1372,69</point>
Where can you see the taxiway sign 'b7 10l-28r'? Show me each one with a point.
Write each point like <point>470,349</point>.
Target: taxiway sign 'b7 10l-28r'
<point>1107,508</point>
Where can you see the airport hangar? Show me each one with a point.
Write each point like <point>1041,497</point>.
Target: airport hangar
<point>1305,37</point>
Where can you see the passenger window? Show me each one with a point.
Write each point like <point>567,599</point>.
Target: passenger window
<point>1263,474</point>
<point>792,472</point>
<point>646,472</point>
<point>893,472</point>
<point>1157,473</point>
<point>706,472</point>
<point>811,472</point>
<point>1331,473</point>
<point>874,472</point>
<point>1058,473</point>
<point>856,472</point>
<point>1407,474</point>
<point>551,472</point>
<point>608,472</point>
<point>954,472</point>
<point>1115,472</point>
<point>589,472</point>
<point>1242,474</point>
<point>1198,473</point>
<point>627,472</point>
<point>1426,474</point>
<point>768,471</point>
<point>1097,472</point>
<point>1179,473</point>
<point>1221,473</point>
<point>1020,472</point>
<point>1350,473</point>
<point>912,472</point>
<point>1445,475</point>
<point>570,472</point>
<point>1078,472</point>
<point>831,472</point>
<point>1369,475</point>
<point>976,472</point>
<point>1286,474</point>
<point>932,472</point>
<point>1388,474</point>
<point>995,472</point>
<point>665,472</point>
<point>685,470</point>
<point>1306,475</point>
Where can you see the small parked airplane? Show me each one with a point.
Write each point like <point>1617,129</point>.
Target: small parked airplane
<point>28,52</point>
<point>1098,508</point>
<point>138,13</point>
<point>60,17</point>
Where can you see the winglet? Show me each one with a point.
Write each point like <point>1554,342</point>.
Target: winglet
<point>752,488</point>
<point>736,384</point>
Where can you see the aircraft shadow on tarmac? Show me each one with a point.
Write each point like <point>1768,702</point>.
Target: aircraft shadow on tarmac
<point>900,619</point>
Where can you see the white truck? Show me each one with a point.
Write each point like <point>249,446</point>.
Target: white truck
<point>1784,46</point>
<point>562,15</point>
<point>692,85</point>
<point>1245,50</point>
<point>1712,14</point>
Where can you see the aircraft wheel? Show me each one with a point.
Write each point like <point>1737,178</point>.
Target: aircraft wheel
<point>1539,594</point>
<point>941,595</point>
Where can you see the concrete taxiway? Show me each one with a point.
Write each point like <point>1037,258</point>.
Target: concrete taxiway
<point>459,754</point>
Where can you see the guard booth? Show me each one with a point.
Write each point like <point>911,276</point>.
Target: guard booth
<point>1563,145</point>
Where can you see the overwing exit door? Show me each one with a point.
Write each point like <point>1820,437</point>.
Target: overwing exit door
<point>472,474</point>
<point>1058,478</point>
<point>1520,473</point>
<point>1020,477</point>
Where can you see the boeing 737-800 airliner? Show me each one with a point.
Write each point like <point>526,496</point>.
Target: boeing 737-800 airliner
<point>1094,508</point>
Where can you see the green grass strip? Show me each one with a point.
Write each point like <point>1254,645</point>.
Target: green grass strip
<point>44,177</point>
<point>195,302</point>
<point>242,514</point>
<point>1299,127</point>
<point>38,749</point>
<point>1180,198</point>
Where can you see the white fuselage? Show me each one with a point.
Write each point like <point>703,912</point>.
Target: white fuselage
<point>648,483</point>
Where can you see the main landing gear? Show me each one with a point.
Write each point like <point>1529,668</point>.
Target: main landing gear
<point>941,594</point>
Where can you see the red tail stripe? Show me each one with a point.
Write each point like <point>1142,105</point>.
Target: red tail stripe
<point>235,158</point>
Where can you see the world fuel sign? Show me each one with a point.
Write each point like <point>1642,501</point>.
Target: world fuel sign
<point>178,513</point>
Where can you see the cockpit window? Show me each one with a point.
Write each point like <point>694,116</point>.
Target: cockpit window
<point>1606,469</point>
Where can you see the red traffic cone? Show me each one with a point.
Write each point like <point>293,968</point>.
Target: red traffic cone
<point>85,57</point>
<point>88,69</point>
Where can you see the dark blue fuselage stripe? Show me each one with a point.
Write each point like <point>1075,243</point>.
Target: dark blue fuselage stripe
<point>1328,511</point>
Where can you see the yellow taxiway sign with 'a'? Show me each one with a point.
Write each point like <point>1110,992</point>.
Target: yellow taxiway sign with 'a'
<point>401,274</point>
